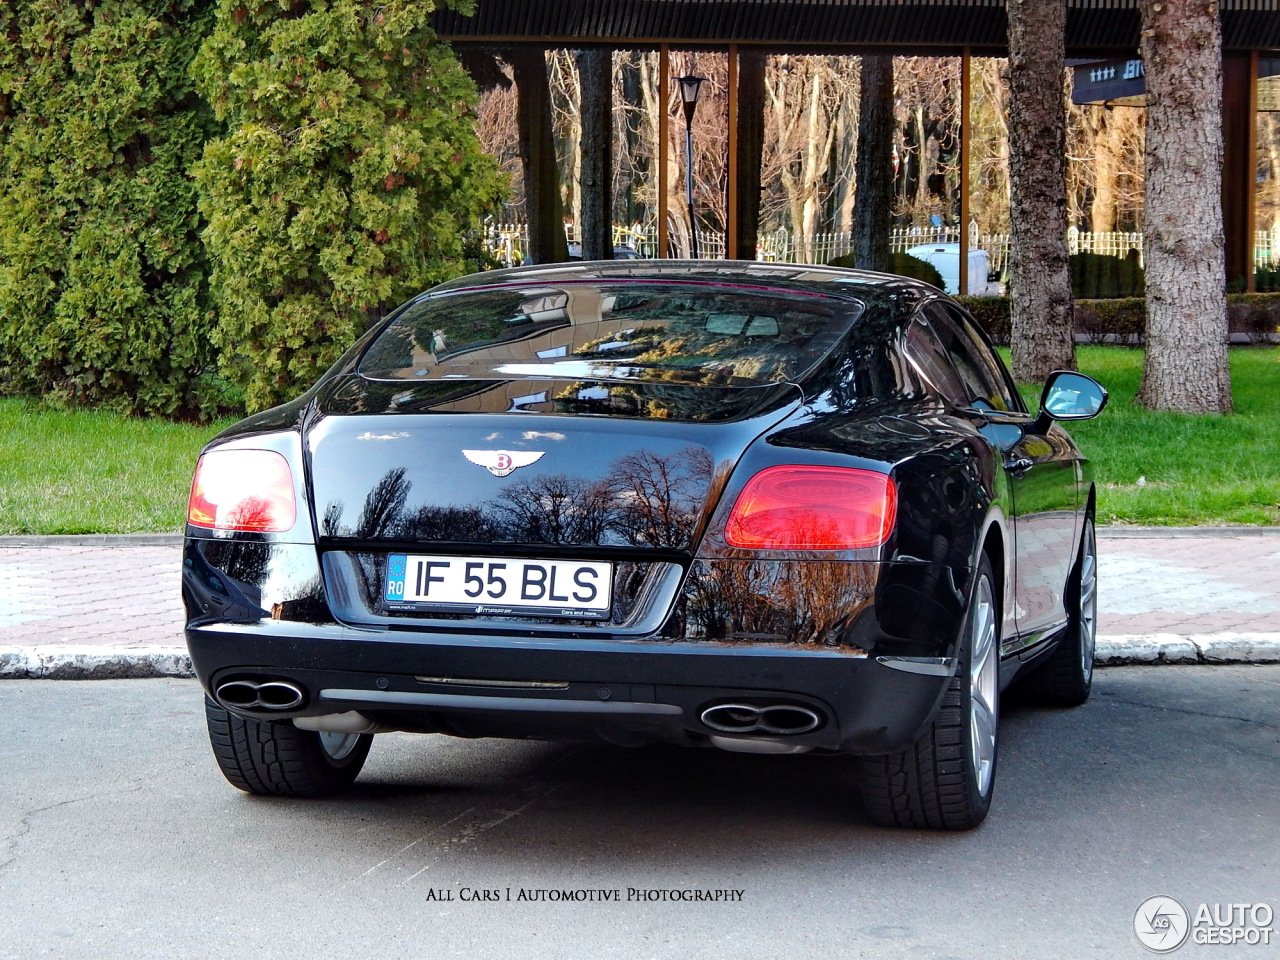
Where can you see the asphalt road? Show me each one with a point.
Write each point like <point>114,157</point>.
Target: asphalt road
<point>122,840</point>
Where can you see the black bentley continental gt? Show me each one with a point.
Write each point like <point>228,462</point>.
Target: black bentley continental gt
<point>757,507</point>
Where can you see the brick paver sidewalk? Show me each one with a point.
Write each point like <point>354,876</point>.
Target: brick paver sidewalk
<point>122,598</point>
<point>108,596</point>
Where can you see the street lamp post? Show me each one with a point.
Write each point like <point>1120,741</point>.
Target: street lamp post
<point>689,88</point>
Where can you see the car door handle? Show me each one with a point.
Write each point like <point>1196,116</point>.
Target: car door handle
<point>1019,466</point>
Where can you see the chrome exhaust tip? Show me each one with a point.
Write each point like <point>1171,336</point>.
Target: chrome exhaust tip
<point>280,695</point>
<point>772,720</point>
<point>238,693</point>
<point>261,695</point>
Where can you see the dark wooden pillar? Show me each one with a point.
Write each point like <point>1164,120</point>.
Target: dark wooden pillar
<point>750,150</point>
<point>873,202</point>
<point>595,76</point>
<point>966,133</point>
<point>1239,144</point>
<point>538,155</point>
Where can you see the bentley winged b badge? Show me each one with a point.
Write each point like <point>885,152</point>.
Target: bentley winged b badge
<point>502,462</point>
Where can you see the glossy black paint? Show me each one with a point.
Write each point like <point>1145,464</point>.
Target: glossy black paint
<point>644,475</point>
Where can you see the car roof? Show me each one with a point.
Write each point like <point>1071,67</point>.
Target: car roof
<point>862,285</point>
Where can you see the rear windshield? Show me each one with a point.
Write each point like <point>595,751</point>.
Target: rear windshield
<point>683,332</point>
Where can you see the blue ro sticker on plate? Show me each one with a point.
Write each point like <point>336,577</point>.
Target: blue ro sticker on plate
<point>396,566</point>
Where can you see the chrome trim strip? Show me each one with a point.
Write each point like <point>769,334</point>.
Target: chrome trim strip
<point>523,704</point>
<point>928,666</point>
<point>1022,643</point>
<point>503,684</point>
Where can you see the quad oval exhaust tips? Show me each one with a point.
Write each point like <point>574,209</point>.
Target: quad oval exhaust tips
<point>771,720</point>
<point>261,694</point>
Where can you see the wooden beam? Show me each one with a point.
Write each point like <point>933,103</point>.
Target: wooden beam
<point>664,144</point>
<point>748,143</point>
<point>966,91</point>
<point>595,80</point>
<point>1251,152</point>
<point>538,155</point>
<point>1239,160</point>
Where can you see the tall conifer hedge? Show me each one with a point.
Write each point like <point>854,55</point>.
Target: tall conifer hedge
<point>348,180</point>
<point>188,185</point>
<point>103,291</point>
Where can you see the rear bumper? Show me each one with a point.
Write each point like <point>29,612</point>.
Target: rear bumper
<point>874,671</point>
<point>622,692</point>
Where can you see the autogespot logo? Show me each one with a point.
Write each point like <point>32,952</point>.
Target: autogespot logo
<point>1161,924</point>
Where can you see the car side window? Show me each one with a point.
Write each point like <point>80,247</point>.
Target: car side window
<point>985,384</point>
<point>929,357</point>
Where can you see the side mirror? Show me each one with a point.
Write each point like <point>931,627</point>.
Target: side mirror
<point>1070,396</point>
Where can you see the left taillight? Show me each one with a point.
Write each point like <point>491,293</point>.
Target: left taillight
<point>246,490</point>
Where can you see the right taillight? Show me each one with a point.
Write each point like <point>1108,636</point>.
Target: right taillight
<point>243,490</point>
<point>813,508</point>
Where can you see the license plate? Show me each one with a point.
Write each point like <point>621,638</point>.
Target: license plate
<point>499,586</point>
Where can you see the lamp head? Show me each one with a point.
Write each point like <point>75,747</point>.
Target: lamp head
<point>690,86</point>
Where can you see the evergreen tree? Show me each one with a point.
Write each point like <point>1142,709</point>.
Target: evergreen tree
<point>349,179</point>
<point>102,290</point>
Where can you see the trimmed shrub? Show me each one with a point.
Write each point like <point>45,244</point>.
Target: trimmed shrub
<point>1267,279</point>
<point>348,181</point>
<point>1256,316</point>
<point>1111,321</point>
<point>1252,316</point>
<point>992,314</point>
<point>102,275</point>
<point>903,264</point>
<point>1096,276</point>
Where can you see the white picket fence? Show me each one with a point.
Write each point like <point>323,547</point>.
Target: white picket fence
<point>1266,248</point>
<point>509,243</point>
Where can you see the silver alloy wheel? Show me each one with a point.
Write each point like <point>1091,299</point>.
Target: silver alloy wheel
<point>984,663</point>
<point>1088,601</point>
<point>338,745</point>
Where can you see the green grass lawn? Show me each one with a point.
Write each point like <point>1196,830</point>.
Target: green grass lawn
<point>96,472</point>
<point>1197,469</point>
<point>87,471</point>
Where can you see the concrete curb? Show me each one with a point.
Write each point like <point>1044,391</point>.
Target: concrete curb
<point>1124,532</point>
<point>1205,648</point>
<point>94,540</point>
<point>67,662</point>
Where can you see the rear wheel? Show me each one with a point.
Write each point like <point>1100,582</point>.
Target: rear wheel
<point>273,757</point>
<point>1065,679</point>
<point>945,779</point>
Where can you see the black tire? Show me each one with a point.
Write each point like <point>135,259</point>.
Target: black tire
<point>1066,677</point>
<point>944,781</point>
<point>275,758</point>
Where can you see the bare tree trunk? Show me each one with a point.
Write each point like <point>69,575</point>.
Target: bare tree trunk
<point>595,74</point>
<point>920,196</point>
<point>750,150</point>
<point>631,104</point>
<point>843,165</point>
<point>538,155</point>
<point>1186,361</point>
<point>1039,263</point>
<point>1102,207</point>
<point>816,154</point>
<point>873,212</point>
